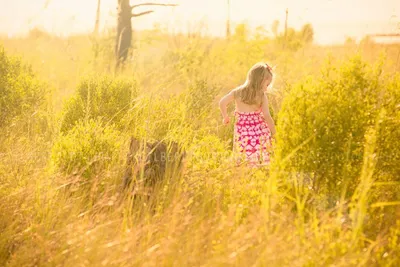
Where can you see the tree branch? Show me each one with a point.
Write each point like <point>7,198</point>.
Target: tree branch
<point>142,13</point>
<point>152,4</point>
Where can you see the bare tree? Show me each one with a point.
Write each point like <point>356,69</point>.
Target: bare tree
<point>96,25</point>
<point>286,25</point>
<point>228,21</point>
<point>124,27</point>
<point>286,29</point>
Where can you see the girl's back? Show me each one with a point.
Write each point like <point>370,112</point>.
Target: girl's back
<point>242,106</point>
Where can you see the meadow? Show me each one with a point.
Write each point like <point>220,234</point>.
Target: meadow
<point>331,196</point>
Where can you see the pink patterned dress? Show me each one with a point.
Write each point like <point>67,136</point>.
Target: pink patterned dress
<point>252,138</point>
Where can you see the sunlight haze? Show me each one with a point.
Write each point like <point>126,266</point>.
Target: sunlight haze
<point>333,20</point>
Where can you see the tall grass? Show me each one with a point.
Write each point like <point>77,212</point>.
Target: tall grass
<point>329,198</point>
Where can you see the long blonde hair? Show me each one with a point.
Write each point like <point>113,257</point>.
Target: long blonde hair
<point>251,91</point>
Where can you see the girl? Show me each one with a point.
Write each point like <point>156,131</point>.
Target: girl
<point>254,125</point>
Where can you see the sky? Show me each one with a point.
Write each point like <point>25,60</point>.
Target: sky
<point>333,20</point>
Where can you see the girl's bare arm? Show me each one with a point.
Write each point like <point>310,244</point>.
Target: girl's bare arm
<point>223,104</point>
<point>267,115</point>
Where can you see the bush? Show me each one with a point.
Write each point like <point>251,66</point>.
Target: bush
<point>200,101</point>
<point>208,153</point>
<point>323,122</point>
<point>87,148</point>
<point>159,118</point>
<point>104,97</point>
<point>23,96</point>
<point>389,135</point>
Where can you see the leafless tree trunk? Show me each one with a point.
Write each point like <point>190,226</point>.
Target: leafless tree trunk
<point>96,25</point>
<point>228,21</point>
<point>124,31</point>
<point>286,25</point>
<point>124,27</point>
<point>95,36</point>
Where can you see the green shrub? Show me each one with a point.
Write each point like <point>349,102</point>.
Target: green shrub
<point>157,117</point>
<point>208,152</point>
<point>103,97</point>
<point>200,100</point>
<point>323,121</point>
<point>23,104</point>
<point>86,149</point>
<point>389,135</point>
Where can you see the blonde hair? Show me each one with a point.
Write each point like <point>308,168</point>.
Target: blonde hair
<point>251,91</point>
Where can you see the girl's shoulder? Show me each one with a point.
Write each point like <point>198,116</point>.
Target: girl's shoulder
<point>236,91</point>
